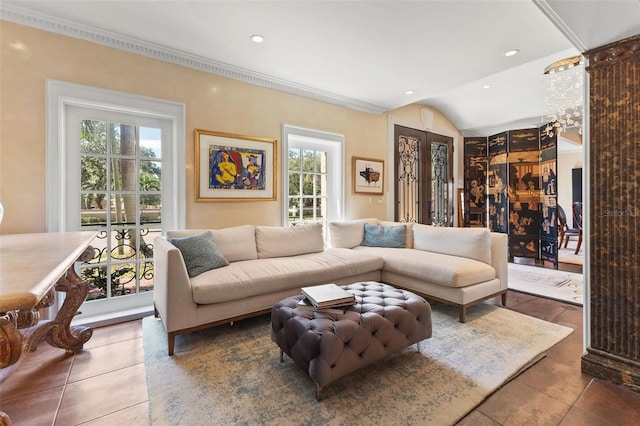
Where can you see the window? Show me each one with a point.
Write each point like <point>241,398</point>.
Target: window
<point>115,167</point>
<point>314,176</point>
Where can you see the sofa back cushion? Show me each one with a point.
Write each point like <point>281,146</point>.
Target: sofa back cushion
<point>279,241</point>
<point>472,243</point>
<point>384,236</point>
<point>348,234</point>
<point>236,243</point>
<point>408,241</point>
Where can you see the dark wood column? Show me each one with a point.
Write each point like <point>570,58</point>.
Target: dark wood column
<point>613,353</point>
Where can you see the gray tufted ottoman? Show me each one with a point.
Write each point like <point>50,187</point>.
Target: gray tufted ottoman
<point>384,320</point>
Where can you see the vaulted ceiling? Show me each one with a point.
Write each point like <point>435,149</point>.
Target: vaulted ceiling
<point>362,54</point>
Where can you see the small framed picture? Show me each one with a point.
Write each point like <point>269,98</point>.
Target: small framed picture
<point>232,167</point>
<point>368,176</point>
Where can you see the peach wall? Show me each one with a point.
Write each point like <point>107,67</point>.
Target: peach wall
<point>29,57</point>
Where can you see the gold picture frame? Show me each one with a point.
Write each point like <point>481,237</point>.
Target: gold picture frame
<point>368,176</point>
<point>230,167</point>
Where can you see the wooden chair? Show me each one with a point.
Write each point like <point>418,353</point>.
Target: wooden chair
<point>564,232</point>
<point>577,220</point>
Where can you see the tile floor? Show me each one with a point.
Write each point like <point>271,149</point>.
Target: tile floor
<point>105,383</point>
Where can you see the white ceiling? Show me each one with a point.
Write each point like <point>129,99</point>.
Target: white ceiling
<point>363,54</point>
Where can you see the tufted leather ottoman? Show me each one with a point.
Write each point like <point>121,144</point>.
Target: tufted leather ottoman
<point>383,321</point>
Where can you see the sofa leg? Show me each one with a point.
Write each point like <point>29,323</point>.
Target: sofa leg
<point>463,314</point>
<point>171,340</point>
<point>155,311</point>
<point>504,299</point>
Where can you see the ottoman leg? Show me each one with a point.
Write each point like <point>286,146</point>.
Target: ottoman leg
<point>281,355</point>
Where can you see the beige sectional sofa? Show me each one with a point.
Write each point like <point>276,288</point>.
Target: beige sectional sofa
<point>266,265</point>
<point>261,265</point>
<point>458,266</point>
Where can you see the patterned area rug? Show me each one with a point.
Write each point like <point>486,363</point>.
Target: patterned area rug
<point>557,285</point>
<point>568,254</point>
<point>233,374</point>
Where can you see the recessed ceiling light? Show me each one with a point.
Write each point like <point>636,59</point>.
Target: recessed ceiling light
<point>257,38</point>
<point>511,52</point>
<point>486,86</point>
<point>409,92</point>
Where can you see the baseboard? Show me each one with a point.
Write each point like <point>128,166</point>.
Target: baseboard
<point>612,368</point>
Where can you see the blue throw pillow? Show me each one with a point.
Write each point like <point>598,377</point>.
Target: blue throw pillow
<point>200,253</point>
<point>384,236</point>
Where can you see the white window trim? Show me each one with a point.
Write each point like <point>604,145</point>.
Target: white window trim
<point>60,94</point>
<point>337,141</point>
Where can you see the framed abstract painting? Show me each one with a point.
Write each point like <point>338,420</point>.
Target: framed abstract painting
<point>368,176</point>
<point>231,167</point>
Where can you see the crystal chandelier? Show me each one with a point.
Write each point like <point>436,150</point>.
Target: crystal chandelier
<point>564,93</point>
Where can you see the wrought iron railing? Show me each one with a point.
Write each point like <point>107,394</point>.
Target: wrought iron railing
<point>125,265</point>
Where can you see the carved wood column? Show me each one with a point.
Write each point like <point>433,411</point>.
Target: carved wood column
<point>613,352</point>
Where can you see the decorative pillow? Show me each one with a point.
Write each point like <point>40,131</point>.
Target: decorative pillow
<point>200,253</point>
<point>408,241</point>
<point>236,243</point>
<point>348,234</point>
<point>384,236</point>
<point>473,243</point>
<point>280,241</point>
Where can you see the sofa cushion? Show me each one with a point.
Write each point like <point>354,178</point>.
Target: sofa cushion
<point>200,253</point>
<point>473,243</point>
<point>279,241</point>
<point>348,234</point>
<point>384,236</point>
<point>442,269</point>
<point>244,279</point>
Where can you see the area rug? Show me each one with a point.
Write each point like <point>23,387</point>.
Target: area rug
<point>233,375</point>
<point>568,254</point>
<point>549,283</point>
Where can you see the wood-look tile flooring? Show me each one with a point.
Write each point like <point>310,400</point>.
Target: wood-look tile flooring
<point>105,383</point>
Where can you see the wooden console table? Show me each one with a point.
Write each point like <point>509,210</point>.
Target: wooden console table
<point>32,268</point>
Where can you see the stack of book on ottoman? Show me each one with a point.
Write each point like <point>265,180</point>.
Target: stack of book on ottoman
<point>327,298</point>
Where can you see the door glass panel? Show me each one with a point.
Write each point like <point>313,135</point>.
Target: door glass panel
<point>150,146</point>
<point>294,159</point>
<point>308,160</point>
<point>92,209</point>
<point>439,184</point>
<point>93,137</point>
<point>93,173</point>
<point>408,171</point>
<point>126,213</point>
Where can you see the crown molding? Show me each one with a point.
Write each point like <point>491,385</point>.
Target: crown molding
<point>547,9</point>
<point>27,17</point>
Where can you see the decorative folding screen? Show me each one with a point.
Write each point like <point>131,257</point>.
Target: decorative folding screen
<point>475,182</point>
<point>519,171</point>
<point>497,183</point>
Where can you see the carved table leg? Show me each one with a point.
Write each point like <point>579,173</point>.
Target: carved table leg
<point>10,343</point>
<point>4,419</point>
<point>59,332</point>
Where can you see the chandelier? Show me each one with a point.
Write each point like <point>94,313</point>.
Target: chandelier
<point>564,93</point>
